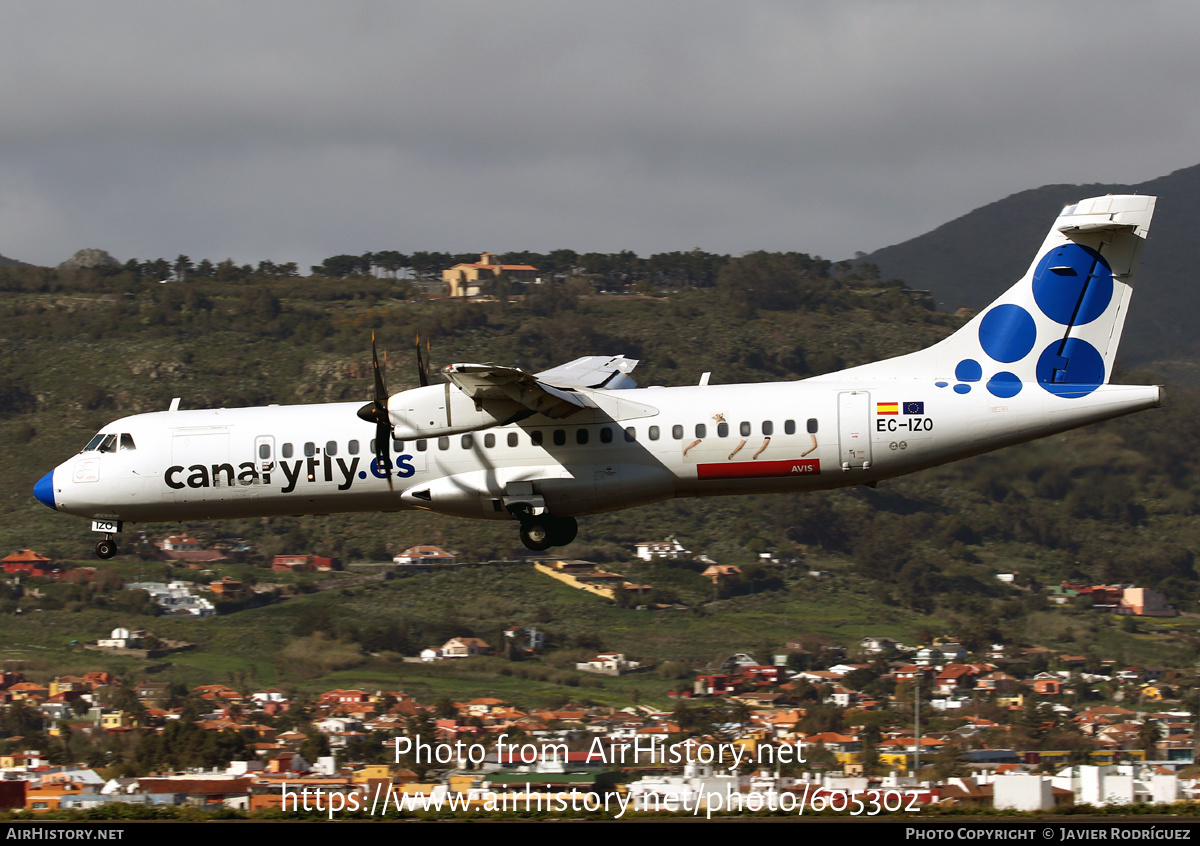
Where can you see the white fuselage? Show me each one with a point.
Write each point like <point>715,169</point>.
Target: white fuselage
<point>638,446</point>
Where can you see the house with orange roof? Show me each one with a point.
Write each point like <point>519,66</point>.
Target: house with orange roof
<point>424,555</point>
<point>189,551</point>
<point>98,679</point>
<point>464,647</point>
<point>30,564</point>
<point>297,563</point>
<point>340,697</point>
<point>49,797</point>
<point>28,690</point>
<point>955,677</point>
<point>470,279</point>
<point>845,748</point>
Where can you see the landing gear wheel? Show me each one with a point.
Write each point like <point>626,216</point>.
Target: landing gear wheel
<point>563,530</point>
<point>106,549</point>
<point>535,534</point>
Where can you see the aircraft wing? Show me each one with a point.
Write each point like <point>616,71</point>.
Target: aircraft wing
<point>553,393</point>
<point>592,371</point>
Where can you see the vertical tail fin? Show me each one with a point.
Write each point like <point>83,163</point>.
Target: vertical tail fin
<point>1059,326</point>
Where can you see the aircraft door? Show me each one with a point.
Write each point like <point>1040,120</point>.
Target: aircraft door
<point>854,430</point>
<point>202,454</point>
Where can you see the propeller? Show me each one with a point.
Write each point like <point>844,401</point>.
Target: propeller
<point>376,412</point>
<point>422,363</point>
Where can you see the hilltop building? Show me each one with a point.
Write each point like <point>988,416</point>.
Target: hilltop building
<point>470,280</point>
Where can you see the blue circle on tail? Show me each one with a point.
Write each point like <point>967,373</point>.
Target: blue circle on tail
<point>968,370</point>
<point>1072,284</point>
<point>1004,385</point>
<point>1007,333</point>
<point>1075,373</point>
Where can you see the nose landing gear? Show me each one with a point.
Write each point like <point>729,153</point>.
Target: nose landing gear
<point>106,548</point>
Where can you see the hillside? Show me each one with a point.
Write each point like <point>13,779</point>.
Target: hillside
<point>968,261</point>
<point>5,261</point>
<point>1112,503</point>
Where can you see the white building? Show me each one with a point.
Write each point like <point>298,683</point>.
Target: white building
<point>671,549</point>
<point>1022,792</point>
<point>123,638</point>
<point>1124,784</point>
<point>175,599</point>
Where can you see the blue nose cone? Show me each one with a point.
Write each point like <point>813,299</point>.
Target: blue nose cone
<point>44,490</point>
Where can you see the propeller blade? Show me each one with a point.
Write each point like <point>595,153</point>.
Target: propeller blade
<point>376,412</point>
<point>383,449</point>
<point>381,394</point>
<point>422,364</point>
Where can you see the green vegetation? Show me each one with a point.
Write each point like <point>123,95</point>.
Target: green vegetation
<point>914,558</point>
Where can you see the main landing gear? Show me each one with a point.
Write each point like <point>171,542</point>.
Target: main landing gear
<point>543,531</point>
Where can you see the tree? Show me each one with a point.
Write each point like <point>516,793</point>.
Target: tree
<point>183,266</point>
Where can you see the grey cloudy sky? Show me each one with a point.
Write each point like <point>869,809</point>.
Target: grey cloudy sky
<point>297,130</point>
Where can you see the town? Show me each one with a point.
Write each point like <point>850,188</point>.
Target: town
<point>920,726</point>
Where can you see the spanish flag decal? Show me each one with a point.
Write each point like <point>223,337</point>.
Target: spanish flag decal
<point>887,408</point>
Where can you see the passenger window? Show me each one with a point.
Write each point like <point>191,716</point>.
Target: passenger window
<point>127,442</point>
<point>560,437</point>
<point>422,445</point>
<point>444,442</point>
<point>288,450</point>
<point>654,433</point>
<point>581,436</point>
<point>606,435</point>
<point>331,447</point>
<point>535,438</point>
<point>489,440</point>
<point>744,429</point>
<point>468,441</point>
<point>701,430</point>
<point>768,428</point>
<point>514,439</point>
<point>264,451</point>
<point>397,445</point>
<point>352,447</point>
<point>310,449</point>
<point>676,431</point>
<point>722,430</point>
<point>789,427</point>
<point>812,425</point>
<point>630,435</point>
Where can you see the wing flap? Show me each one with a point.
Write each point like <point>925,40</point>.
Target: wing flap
<point>592,371</point>
<point>483,382</point>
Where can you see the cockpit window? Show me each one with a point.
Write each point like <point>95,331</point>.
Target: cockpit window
<point>127,442</point>
<point>94,442</point>
<point>109,444</point>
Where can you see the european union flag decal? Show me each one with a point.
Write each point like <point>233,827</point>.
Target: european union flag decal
<point>914,408</point>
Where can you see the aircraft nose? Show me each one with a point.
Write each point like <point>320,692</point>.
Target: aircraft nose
<point>44,490</point>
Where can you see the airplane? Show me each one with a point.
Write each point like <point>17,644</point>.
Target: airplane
<point>542,449</point>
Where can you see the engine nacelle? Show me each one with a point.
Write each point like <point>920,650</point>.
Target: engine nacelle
<point>436,410</point>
